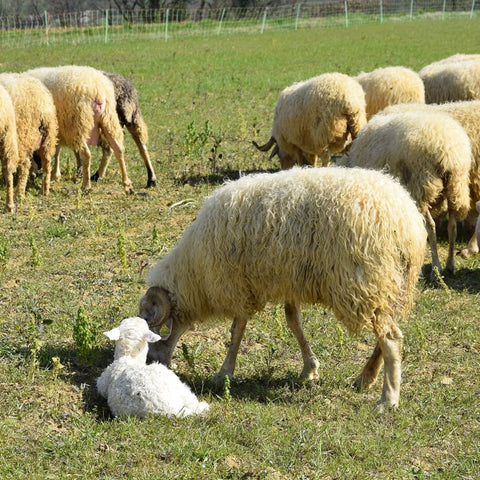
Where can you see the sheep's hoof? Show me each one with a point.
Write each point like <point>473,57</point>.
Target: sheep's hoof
<point>151,183</point>
<point>129,190</point>
<point>95,177</point>
<point>384,405</point>
<point>310,370</point>
<point>219,379</point>
<point>363,382</point>
<point>466,253</point>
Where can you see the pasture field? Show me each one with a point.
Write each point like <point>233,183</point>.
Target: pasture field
<point>204,101</point>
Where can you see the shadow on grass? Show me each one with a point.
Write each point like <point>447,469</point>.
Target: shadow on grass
<point>464,280</point>
<point>219,177</point>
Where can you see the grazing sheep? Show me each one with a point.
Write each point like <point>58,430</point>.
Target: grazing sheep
<point>85,102</point>
<point>389,86</point>
<point>431,156</point>
<point>467,114</point>
<point>8,146</point>
<point>317,117</point>
<point>451,81</point>
<point>350,239</point>
<point>37,126</point>
<point>133,388</point>
<point>129,115</point>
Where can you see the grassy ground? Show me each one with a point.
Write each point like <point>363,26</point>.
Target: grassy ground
<point>204,101</point>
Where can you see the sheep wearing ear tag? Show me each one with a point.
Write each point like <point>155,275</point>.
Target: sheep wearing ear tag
<point>133,388</point>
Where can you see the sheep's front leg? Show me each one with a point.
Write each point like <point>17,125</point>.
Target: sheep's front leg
<point>391,346</point>
<point>432,239</point>
<point>162,350</point>
<point>370,372</point>
<point>237,330</point>
<point>452,236</point>
<point>310,362</point>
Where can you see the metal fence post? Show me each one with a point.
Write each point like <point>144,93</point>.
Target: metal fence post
<point>381,11</point>
<point>299,5</point>
<point>221,20</point>
<point>411,9</point>
<point>264,20</point>
<point>46,25</point>
<point>443,10</point>
<point>346,14</point>
<point>473,9</point>
<point>106,26</point>
<point>166,23</point>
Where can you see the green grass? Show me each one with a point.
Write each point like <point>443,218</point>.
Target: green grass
<point>60,253</point>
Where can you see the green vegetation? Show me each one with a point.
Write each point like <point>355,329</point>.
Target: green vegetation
<point>204,101</point>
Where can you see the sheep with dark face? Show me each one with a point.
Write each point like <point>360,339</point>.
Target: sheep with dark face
<point>350,239</point>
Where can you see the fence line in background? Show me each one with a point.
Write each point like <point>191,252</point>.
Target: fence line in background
<point>109,25</point>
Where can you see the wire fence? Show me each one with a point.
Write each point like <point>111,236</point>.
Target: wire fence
<point>109,25</point>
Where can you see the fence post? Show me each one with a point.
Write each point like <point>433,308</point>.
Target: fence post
<point>106,26</point>
<point>46,25</point>
<point>299,5</point>
<point>381,11</point>
<point>166,23</point>
<point>473,9</point>
<point>443,10</point>
<point>411,10</point>
<point>264,20</point>
<point>346,14</point>
<point>221,20</point>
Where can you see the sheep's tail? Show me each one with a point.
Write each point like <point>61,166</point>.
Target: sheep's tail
<point>267,146</point>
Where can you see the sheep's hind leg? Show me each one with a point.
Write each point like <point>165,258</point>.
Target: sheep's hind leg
<point>118,149</point>
<point>310,362</point>
<point>370,372</point>
<point>452,236</point>
<point>86,156</point>
<point>237,330</point>
<point>142,148</point>
<point>391,346</point>
<point>432,239</point>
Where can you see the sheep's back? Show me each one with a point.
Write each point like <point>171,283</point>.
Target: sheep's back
<point>351,239</point>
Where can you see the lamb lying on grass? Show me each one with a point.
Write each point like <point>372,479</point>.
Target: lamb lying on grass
<point>133,388</point>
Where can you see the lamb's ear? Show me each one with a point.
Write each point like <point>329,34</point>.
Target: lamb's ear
<point>151,337</point>
<point>113,334</point>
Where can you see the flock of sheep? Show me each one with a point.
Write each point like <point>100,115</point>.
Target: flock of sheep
<point>350,236</point>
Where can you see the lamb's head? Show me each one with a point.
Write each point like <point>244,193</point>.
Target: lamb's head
<point>132,337</point>
<point>155,308</point>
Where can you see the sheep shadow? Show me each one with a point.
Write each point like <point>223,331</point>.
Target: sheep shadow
<point>218,177</point>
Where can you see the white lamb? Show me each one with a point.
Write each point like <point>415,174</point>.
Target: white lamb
<point>133,388</point>
<point>316,118</point>
<point>350,239</point>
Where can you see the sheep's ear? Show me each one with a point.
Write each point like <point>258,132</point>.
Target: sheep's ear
<point>151,337</point>
<point>113,334</point>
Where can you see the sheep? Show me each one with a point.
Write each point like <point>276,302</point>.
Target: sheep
<point>8,146</point>
<point>467,114</point>
<point>389,86</point>
<point>129,115</point>
<point>85,102</point>
<point>430,154</point>
<point>451,81</point>
<point>316,117</point>
<point>37,126</point>
<point>350,239</point>
<point>133,388</point>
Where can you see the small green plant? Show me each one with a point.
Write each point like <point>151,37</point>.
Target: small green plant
<point>56,367</point>
<point>122,247</point>
<point>85,332</point>
<point>227,396</point>
<point>3,255</point>
<point>36,258</point>
<point>155,236</point>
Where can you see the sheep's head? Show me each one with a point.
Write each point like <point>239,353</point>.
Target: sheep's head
<point>132,337</point>
<point>155,307</point>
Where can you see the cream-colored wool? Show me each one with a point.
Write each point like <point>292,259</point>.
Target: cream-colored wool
<point>8,146</point>
<point>451,81</point>
<point>85,102</point>
<point>37,126</point>
<point>317,117</point>
<point>135,389</point>
<point>467,114</point>
<point>389,86</point>
<point>350,239</point>
<point>430,154</point>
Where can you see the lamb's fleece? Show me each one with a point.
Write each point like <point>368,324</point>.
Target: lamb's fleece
<point>133,388</point>
<point>8,145</point>
<point>389,86</point>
